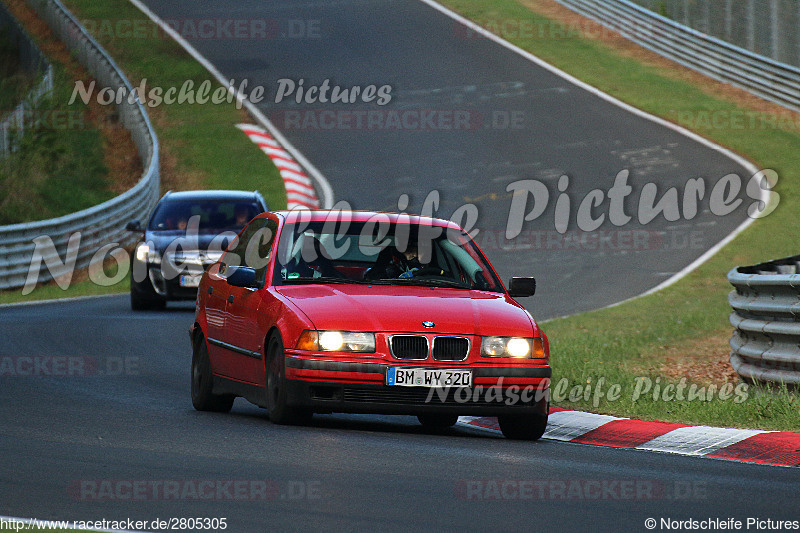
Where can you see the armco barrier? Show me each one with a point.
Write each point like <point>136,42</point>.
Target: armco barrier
<point>766,317</point>
<point>713,57</point>
<point>103,223</point>
<point>12,126</point>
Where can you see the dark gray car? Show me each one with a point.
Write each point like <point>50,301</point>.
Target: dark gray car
<point>187,232</point>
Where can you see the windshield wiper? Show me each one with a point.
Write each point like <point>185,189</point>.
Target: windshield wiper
<point>323,279</point>
<point>429,282</point>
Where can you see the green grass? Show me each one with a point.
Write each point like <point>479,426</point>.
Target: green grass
<point>58,167</point>
<point>51,291</point>
<point>201,148</point>
<point>617,343</point>
<point>202,138</point>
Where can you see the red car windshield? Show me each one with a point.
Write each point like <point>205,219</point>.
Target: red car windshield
<point>381,253</point>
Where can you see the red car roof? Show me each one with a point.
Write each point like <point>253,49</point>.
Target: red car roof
<point>321,215</point>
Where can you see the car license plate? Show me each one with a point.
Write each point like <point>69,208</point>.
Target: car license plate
<point>428,377</point>
<point>190,280</point>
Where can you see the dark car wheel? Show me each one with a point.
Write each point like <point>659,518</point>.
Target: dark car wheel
<point>277,408</point>
<point>437,421</point>
<point>203,397</point>
<point>144,297</point>
<point>523,427</point>
<point>141,303</point>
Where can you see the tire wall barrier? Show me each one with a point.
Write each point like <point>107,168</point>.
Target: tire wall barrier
<point>765,346</point>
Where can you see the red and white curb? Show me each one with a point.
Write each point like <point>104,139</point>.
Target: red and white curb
<point>765,447</point>
<point>299,188</point>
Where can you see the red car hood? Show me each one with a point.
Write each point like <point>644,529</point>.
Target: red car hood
<point>403,309</point>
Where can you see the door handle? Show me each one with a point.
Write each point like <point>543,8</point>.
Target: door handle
<point>230,299</point>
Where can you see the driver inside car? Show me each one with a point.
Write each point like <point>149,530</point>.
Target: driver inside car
<point>392,263</point>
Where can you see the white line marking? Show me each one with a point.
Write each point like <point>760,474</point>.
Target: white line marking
<point>567,425</point>
<point>324,187</point>
<point>638,112</point>
<point>697,440</point>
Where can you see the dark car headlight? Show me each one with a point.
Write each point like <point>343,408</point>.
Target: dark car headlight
<point>144,254</point>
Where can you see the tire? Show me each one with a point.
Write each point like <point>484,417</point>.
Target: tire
<point>144,298</point>
<point>523,427</point>
<point>437,422</point>
<point>138,303</point>
<point>277,408</point>
<point>203,397</point>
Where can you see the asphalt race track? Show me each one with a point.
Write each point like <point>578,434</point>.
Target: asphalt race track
<point>115,411</point>
<point>434,64</point>
<point>131,420</point>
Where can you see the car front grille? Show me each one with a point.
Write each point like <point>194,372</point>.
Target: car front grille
<point>424,396</point>
<point>410,347</point>
<point>450,348</point>
<point>417,347</point>
<point>401,395</point>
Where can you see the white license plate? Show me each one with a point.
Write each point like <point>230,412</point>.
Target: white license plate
<point>190,280</point>
<point>428,377</point>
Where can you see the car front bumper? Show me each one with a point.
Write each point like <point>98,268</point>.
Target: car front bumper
<point>359,387</point>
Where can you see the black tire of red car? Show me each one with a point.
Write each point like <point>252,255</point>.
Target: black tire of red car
<point>277,407</point>
<point>203,397</point>
<point>522,427</point>
<point>437,421</point>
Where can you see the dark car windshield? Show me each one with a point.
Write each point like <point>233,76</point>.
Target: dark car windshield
<point>214,215</point>
<point>381,253</point>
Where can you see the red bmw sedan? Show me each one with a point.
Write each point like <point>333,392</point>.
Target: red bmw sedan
<point>361,312</point>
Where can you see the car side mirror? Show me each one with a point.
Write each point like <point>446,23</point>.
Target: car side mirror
<point>522,287</point>
<point>134,225</point>
<point>241,276</point>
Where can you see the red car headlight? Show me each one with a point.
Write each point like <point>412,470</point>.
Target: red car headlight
<point>513,347</point>
<point>336,341</point>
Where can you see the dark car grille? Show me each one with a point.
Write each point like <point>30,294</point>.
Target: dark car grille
<point>422,396</point>
<point>415,347</point>
<point>409,346</point>
<point>400,395</point>
<point>450,348</point>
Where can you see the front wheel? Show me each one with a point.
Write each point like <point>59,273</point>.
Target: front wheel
<point>277,407</point>
<point>523,427</point>
<point>203,397</point>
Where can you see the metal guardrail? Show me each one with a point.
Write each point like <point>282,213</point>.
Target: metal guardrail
<point>766,317</point>
<point>760,75</point>
<point>12,127</point>
<point>103,223</point>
